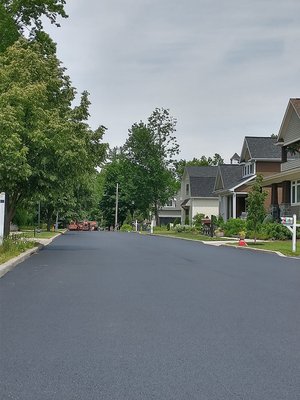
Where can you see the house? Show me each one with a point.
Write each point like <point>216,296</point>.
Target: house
<point>287,179</point>
<point>230,187</point>
<point>171,211</point>
<point>259,155</point>
<point>197,185</point>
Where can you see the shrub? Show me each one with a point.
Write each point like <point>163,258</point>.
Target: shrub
<point>126,228</point>
<point>184,228</point>
<point>197,221</point>
<point>233,226</point>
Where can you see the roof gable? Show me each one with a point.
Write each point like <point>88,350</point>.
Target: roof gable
<point>260,148</point>
<point>289,131</point>
<point>231,176</point>
<point>202,180</point>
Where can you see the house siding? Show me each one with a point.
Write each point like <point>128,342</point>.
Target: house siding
<point>267,168</point>
<point>293,131</point>
<point>207,207</point>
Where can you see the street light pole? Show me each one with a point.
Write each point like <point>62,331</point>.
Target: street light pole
<point>117,204</point>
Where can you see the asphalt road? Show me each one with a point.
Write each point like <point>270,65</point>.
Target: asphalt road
<point>102,315</point>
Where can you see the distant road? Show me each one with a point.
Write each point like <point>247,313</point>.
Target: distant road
<point>105,315</point>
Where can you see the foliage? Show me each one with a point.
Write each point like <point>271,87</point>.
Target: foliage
<point>197,162</point>
<point>25,216</point>
<point>17,16</point>
<point>149,152</point>
<point>233,226</point>
<point>12,246</point>
<point>126,228</point>
<point>255,205</point>
<point>197,221</point>
<point>184,228</point>
<point>271,230</point>
<point>46,145</point>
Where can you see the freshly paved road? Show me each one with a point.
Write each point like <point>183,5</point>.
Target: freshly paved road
<point>102,315</point>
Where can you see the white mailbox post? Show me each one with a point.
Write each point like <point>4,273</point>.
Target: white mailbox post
<point>2,216</point>
<point>291,224</point>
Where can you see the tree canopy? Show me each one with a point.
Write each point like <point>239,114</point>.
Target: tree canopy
<point>197,162</point>
<point>46,142</point>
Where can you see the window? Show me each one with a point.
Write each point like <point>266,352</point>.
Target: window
<point>170,203</point>
<point>295,192</point>
<point>187,189</point>
<point>249,169</point>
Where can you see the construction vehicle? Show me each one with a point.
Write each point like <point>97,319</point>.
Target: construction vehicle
<point>83,226</point>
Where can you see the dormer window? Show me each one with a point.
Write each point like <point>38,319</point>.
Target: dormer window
<point>249,169</point>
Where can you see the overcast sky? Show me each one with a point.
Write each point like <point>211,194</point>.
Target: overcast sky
<point>225,69</point>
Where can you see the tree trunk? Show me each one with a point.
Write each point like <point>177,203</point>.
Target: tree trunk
<point>11,207</point>
<point>156,214</point>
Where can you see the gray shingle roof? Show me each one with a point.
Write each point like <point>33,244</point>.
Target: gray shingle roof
<point>202,186</point>
<point>202,180</point>
<point>231,175</point>
<point>263,147</point>
<point>209,171</point>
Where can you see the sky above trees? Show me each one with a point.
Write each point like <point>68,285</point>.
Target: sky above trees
<point>224,69</point>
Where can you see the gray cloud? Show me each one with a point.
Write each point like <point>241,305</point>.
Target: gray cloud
<point>225,69</point>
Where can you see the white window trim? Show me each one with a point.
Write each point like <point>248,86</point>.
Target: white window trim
<point>295,184</point>
<point>247,167</point>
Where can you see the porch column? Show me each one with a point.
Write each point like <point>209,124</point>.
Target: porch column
<point>286,192</point>
<point>285,206</point>
<point>234,205</point>
<point>274,208</point>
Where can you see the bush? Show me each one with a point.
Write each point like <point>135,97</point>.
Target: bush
<point>197,221</point>
<point>233,226</point>
<point>184,228</point>
<point>126,228</point>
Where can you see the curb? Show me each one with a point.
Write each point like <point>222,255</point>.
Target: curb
<point>13,262</point>
<point>261,250</point>
<point>218,244</point>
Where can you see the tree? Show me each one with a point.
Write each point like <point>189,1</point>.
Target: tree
<point>46,144</point>
<point>150,150</point>
<point>255,205</point>
<point>197,162</point>
<point>16,16</point>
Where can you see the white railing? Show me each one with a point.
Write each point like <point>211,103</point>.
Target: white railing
<point>291,164</point>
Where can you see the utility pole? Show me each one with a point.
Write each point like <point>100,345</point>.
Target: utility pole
<point>117,204</point>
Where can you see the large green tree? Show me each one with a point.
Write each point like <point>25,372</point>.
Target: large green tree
<point>150,150</point>
<point>45,142</point>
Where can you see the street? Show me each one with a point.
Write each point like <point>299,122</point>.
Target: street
<point>105,315</point>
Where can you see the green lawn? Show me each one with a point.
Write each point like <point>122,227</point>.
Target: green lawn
<point>189,235</point>
<point>41,235</point>
<point>13,249</point>
<point>285,247</point>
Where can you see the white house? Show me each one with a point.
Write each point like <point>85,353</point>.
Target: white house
<point>197,185</point>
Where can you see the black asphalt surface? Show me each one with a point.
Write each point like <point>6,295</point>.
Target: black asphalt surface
<point>103,315</point>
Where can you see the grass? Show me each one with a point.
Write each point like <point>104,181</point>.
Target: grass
<point>284,246</point>
<point>13,246</point>
<point>190,235</point>
<point>41,235</point>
